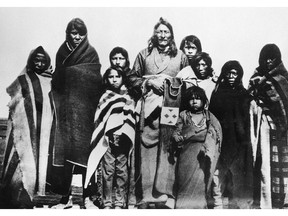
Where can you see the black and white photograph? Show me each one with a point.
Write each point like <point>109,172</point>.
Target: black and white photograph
<point>149,106</point>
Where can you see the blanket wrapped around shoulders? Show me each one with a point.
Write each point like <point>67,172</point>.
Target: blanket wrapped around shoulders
<point>76,89</point>
<point>28,136</point>
<point>197,161</point>
<point>115,115</point>
<point>269,136</point>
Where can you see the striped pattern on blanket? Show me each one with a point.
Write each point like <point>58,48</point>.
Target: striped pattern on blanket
<point>115,114</point>
<point>28,135</point>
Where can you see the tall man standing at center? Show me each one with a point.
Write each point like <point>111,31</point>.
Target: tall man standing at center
<point>159,61</point>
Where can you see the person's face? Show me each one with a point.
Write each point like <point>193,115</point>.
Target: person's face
<point>76,38</point>
<point>270,63</point>
<point>163,35</point>
<point>231,77</point>
<point>202,69</point>
<point>190,50</point>
<point>39,63</point>
<point>115,80</point>
<point>118,60</point>
<point>196,104</point>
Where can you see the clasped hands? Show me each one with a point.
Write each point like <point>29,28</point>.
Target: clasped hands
<point>156,85</point>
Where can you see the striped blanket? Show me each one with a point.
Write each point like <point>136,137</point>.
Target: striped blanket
<point>115,114</point>
<point>28,136</point>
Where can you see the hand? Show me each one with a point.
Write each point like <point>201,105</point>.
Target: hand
<point>156,85</point>
<point>114,141</point>
<point>178,138</point>
<point>255,80</point>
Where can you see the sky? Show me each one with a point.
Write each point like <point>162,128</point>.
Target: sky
<point>226,33</point>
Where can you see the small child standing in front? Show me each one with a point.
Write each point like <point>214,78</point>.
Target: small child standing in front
<point>113,138</point>
<point>198,134</point>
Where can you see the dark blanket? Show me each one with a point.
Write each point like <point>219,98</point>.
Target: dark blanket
<point>231,108</point>
<point>76,90</point>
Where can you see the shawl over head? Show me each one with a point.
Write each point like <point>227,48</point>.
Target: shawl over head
<point>228,66</point>
<point>268,117</point>
<point>28,134</point>
<point>271,51</point>
<point>231,108</point>
<point>47,71</point>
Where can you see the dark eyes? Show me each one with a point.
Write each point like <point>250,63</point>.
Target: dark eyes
<point>118,58</point>
<point>111,77</point>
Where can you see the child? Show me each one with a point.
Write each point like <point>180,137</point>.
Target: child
<point>114,137</point>
<point>198,134</point>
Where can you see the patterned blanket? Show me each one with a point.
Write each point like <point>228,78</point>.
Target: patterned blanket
<point>28,136</point>
<point>115,115</point>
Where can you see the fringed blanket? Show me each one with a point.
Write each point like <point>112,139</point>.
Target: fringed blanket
<point>76,86</point>
<point>29,125</point>
<point>115,115</point>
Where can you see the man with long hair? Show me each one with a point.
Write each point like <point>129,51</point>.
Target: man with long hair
<point>154,171</point>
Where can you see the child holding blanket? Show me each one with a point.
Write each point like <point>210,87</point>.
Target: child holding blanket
<point>113,138</point>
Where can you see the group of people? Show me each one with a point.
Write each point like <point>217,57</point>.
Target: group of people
<point>167,133</point>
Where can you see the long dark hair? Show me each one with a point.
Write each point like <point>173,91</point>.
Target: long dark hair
<point>153,41</point>
<point>192,39</point>
<point>206,58</point>
<point>197,92</point>
<point>106,74</point>
<point>124,52</point>
<point>269,51</point>
<point>77,24</point>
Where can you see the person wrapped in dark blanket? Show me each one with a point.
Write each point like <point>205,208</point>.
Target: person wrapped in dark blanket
<point>76,90</point>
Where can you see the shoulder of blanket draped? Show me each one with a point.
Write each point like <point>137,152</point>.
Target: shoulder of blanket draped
<point>28,138</point>
<point>214,132</point>
<point>270,92</point>
<point>212,145</point>
<point>78,83</point>
<point>84,56</point>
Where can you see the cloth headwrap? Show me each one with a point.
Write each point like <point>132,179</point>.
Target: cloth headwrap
<point>33,54</point>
